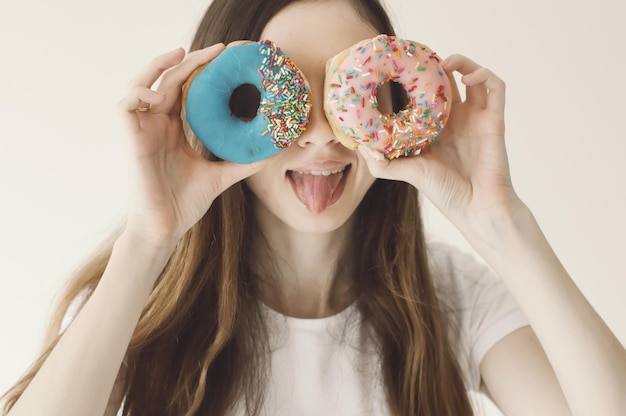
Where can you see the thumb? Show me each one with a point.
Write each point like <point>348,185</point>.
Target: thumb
<point>406,168</point>
<point>227,173</point>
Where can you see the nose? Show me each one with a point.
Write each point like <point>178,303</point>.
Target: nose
<point>318,131</point>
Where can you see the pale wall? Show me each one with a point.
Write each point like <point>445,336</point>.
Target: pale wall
<point>65,64</point>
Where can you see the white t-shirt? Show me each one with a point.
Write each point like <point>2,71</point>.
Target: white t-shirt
<point>329,366</point>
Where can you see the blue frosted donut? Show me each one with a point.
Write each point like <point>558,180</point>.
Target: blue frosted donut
<point>283,110</point>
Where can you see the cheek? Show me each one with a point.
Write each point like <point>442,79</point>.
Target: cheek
<point>265,180</point>
<point>258,184</point>
<point>362,181</point>
<point>363,171</point>
<point>269,187</point>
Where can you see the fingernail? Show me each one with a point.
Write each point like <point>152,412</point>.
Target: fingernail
<point>215,46</point>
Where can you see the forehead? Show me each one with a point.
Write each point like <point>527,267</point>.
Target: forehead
<point>311,32</point>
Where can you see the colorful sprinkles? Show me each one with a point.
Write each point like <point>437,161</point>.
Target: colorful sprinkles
<point>287,101</point>
<point>352,107</point>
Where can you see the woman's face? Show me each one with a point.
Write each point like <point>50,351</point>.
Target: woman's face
<point>315,184</point>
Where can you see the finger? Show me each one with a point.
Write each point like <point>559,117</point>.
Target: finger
<point>139,87</point>
<point>138,98</point>
<point>475,94</point>
<point>151,73</point>
<point>493,85</point>
<point>172,81</point>
<point>404,169</point>
<point>231,173</point>
<point>456,95</point>
<point>139,95</point>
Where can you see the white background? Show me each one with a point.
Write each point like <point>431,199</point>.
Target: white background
<point>65,64</point>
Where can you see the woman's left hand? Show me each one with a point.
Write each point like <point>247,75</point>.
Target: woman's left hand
<point>465,173</point>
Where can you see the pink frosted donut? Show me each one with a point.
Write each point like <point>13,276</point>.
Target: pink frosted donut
<point>354,76</point>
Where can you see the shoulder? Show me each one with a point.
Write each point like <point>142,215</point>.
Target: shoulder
<point>459,278</point>
<point>449,265</point>
<point>462,281</point>
<point>477,306</point>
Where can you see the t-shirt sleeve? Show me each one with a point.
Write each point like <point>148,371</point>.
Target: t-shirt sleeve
<point>480,309</point>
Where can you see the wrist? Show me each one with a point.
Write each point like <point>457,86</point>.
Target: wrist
<point>154,237</point>
<point>136,261</point>
<point>149,247</point>
<point>497,228</point>
<point>511,240</point>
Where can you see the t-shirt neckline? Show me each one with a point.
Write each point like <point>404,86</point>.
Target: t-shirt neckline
<point>310,323</point>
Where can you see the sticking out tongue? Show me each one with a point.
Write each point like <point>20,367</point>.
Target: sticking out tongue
<point>316,192</point>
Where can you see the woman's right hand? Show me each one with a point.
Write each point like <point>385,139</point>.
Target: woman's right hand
<point>171,186</point>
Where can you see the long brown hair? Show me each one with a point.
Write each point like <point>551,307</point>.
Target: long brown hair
<point>201,346</point>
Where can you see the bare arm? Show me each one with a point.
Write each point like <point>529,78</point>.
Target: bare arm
<point>78,376</point>
<point>534,389</point>
<point>117,394</point>
<point>588,360</point>
<point>466,176</point>
<point>171,188</point>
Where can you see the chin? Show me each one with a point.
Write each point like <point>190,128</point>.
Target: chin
<point>296,217</point>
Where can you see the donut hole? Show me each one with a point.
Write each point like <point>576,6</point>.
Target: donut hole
<point>391,97</point>
<point>244,102</point>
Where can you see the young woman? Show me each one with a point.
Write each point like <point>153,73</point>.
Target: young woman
<point>230,291</point>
